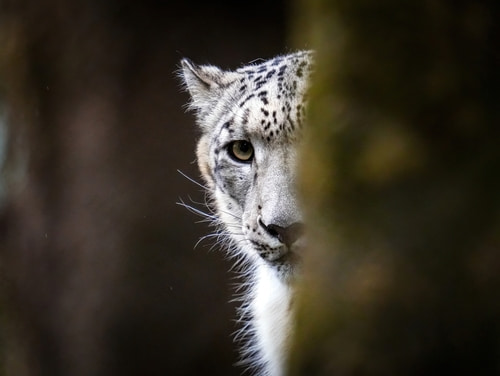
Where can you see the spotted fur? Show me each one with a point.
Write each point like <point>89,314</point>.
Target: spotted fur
<point>251,122</point>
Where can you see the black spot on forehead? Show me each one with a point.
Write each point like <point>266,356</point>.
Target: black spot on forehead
<point>263,68</point>
<point>276,61</point>
<point>263,97</point>
<point>300,69</point>
<point>270,74</point>
<point>228,125</point>
<point>244,118</point>
<point>242,103</point>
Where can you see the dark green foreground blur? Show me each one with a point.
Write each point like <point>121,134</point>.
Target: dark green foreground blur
<point>401,182</point>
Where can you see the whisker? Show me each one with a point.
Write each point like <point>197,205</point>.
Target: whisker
<point>231,214</point>
<point>209,236</point>
<point>196,211</point>
<point>192,180</point>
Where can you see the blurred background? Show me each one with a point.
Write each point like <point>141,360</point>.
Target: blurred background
<point>99,274</point>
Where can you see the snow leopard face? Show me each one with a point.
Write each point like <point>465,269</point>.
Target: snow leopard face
<point>251,121</point>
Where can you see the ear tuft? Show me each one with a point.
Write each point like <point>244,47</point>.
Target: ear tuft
<point>204,83</point>
<point>195,78</point>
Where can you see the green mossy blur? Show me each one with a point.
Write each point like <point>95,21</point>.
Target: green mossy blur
<point>401,184</point>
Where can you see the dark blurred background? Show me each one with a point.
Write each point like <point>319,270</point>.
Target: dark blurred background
<point>99,274</point>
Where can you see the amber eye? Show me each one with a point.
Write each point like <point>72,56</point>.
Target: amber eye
<point>242,151</point>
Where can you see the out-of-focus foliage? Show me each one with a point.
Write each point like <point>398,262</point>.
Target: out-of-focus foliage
<point>400,181</point>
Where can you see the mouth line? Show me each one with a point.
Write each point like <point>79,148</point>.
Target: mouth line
<point>268,253</point>
<point>276,256</point>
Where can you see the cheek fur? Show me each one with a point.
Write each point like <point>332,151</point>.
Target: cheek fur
<point>234,180</point>
<point>203,159</point>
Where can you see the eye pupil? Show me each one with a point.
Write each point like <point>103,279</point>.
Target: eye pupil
<point>244,146</point>
<point>242,151</point>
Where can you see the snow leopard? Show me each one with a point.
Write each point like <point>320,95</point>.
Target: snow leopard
<point>251,121</point>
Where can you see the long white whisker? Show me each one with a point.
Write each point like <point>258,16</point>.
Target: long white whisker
<point>217,236</point>
<point>196,211</point>
<point>192,180</point>
<point>231,214</point>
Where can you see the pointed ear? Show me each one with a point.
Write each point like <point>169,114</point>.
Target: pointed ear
<point>204,83</point>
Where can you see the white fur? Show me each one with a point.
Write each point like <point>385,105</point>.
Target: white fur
<point>271,306</point>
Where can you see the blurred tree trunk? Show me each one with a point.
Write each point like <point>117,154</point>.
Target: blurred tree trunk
<point>401,182</point>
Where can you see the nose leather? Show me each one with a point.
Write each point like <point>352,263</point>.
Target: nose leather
<point>286,235</point>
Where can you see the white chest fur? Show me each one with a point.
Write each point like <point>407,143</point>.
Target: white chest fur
<point>272,318</point>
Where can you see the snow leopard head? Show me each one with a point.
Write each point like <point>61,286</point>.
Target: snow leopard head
<point>251,122</point>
